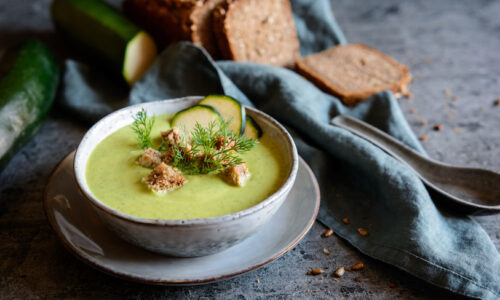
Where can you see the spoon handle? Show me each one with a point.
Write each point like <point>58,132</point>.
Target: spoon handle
<point>395,148</point>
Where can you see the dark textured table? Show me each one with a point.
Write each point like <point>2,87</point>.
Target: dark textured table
<point>452,48</point>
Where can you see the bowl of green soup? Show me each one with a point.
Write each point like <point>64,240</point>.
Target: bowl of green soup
<point>180,177</point>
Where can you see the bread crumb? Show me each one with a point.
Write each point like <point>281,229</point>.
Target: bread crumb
<point>413,111</point>
<point>427,60</point>
<point>451,116</point>
<point>423,138</point>
<point>328,232</point>
<point>457,130</point>
<point>363,231</point>
<point>358,266</point>
<point>437,127</point>
<point>339,272</point>
<point>317,271</point>
<point>326,251</point>
<point>258,280</point>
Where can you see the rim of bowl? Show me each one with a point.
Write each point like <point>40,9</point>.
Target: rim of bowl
<point>81,180</point>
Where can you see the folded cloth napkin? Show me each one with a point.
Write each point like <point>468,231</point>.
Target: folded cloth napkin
<point>358,180</point>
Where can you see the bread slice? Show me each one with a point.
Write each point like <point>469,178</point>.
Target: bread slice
<point>354,72</point>
<point>260,31</point>
<point>176,20</point>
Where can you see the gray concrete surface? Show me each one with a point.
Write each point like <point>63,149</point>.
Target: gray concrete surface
<point>447,44</point>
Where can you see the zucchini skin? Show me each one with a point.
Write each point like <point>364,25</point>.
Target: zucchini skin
<point>96,27</point>
<point>27,91</point>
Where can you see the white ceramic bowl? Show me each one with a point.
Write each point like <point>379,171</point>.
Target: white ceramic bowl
<point>189,237</point>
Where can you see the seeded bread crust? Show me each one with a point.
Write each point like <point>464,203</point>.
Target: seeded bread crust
<point>354,72</point>
<point>261,31</point>
<point>176,20</point>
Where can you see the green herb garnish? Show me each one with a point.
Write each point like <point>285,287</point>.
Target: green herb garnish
<point>142,127</point>
<point>213,149</point>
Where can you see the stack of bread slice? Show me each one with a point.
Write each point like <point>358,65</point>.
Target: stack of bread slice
<point>241,30</point>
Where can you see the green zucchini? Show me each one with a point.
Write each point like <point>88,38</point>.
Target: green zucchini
<point>201,114</point>
<point>230,109</point>
<point>252,129</point>
<point>106,34</point>
<point>28,83</point>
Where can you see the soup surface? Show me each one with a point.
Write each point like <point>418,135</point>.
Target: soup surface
<point>115,179</point>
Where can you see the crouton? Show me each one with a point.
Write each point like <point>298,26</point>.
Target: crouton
<point>164,178</point>
<point>224,143</point>
<point>173,137</point>
<point>237,175</point>
<point>150,158</point>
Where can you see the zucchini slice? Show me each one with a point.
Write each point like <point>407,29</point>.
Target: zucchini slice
<point>252,129</point>
<point>106,35</point>
<point>201,114</point>
<point>230,109</point>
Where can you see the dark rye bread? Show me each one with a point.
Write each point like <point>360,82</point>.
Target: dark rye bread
<point>176,20</point>
<point>354,72</point>
<point>260,31</point>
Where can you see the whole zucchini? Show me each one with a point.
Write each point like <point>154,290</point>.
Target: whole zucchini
<point>28,83</point>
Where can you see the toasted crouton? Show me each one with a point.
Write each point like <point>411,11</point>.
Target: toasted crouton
<point>150,158</point>
<point>173,137</point>
<point>237,175</point>
<point>164,178</point>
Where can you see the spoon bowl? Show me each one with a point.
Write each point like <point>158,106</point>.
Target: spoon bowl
<point>469,187</point>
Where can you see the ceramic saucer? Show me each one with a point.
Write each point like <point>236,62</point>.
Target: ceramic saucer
<point>84,235</point>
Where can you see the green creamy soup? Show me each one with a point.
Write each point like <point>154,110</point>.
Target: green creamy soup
<point>114,178</point>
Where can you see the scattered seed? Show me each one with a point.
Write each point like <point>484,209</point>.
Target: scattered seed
<point>357,279</point>
<point>391,285</point>
<point>451,116</point>
<point>308,291</point>
<point>326,286</point>
<point>370,291</point>
<point>326,251</point>
<point>348,268</point>
<point>437,127</point>
<point>339,272</point>
<point>345,220</point>
<point>427,60</point>
<point>447,93</point>
<point>454,98</point>
<point>321,278</point>
<point>483,108</point>
<point>423,138</point>
<point>362,231</point>
<point>337,195</point>
<point>328,232</point>
<point>317,271</point>
<point>309,273</point>
<point>413,111</point>
<point>336,280</point>
<point>445,106</point>
<point>457,130</point>
<point>358,266</point>
<point>258,280</point>
<point>497,102</point>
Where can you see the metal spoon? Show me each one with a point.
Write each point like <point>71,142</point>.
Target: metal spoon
<point>470,187</point>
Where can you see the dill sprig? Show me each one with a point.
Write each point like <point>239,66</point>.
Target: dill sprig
<point>213,149</point>
<point>142,127</point>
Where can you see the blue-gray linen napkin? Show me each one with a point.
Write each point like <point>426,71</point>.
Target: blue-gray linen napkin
<point>358,181</point>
